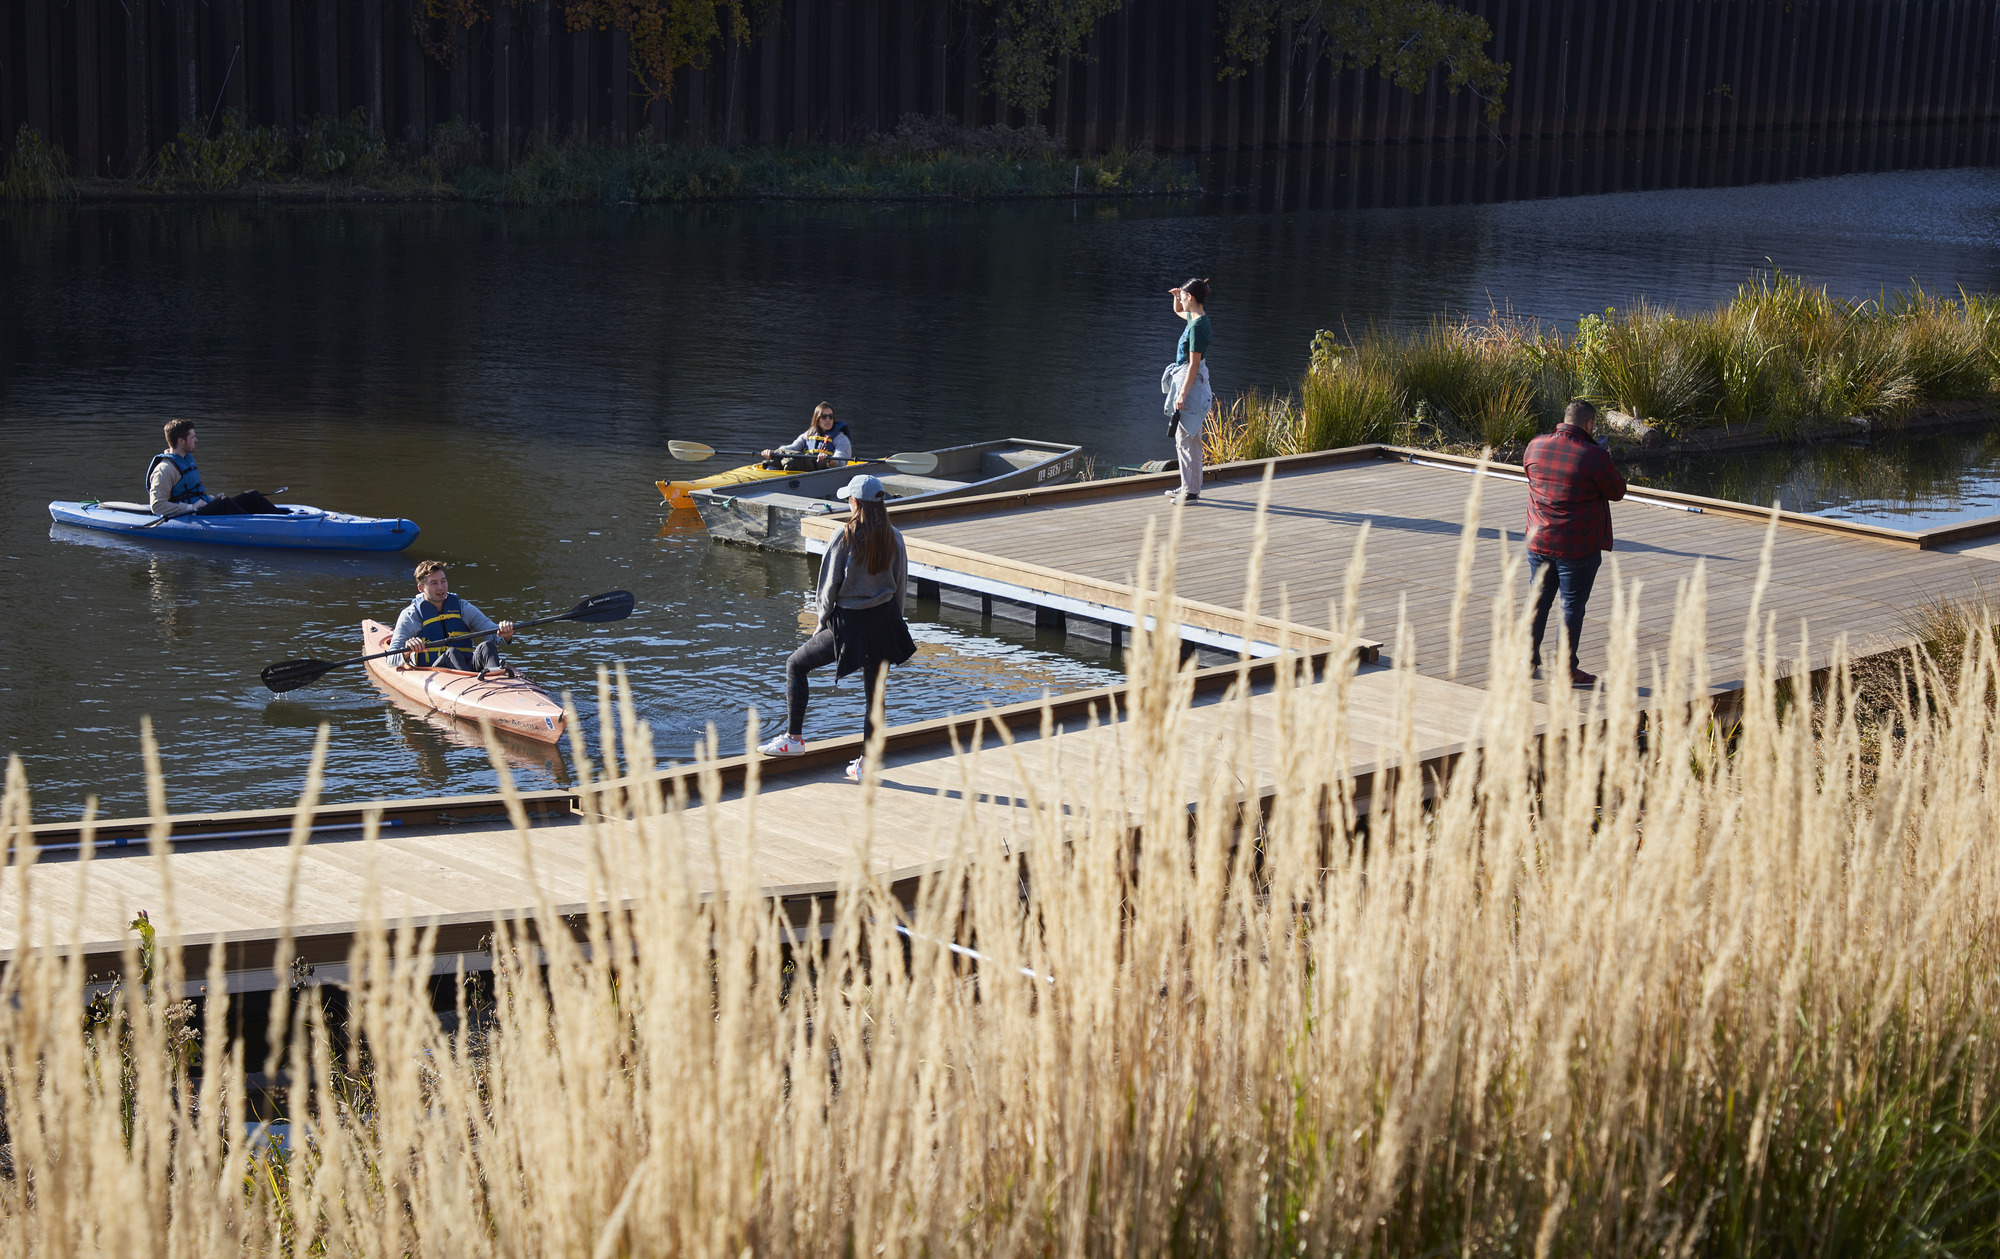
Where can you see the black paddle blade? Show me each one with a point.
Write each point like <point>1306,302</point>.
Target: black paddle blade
<point>290,675</point>
<point>613,605</point>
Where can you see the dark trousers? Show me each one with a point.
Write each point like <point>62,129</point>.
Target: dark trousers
<point>813,653</point>
<point>476,658</point>
<point>248,503</point>
<point>1572,577</point>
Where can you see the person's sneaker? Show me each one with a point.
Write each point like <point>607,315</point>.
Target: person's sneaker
<point>784,745</point>
<point>854,770</point>
<point>1578,678</point>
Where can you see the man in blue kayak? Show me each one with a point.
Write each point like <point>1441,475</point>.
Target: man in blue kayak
<point>437,614</point>
<point>174,488</point>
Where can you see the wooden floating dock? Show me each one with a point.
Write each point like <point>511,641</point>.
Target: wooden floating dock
<point>1064,556</point>
<point>462,865</point>
<point>1068,553</point>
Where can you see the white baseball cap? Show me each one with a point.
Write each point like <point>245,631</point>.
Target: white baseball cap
<point>863,487</point>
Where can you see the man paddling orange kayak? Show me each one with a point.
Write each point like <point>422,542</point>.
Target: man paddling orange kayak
<point>437,614</point>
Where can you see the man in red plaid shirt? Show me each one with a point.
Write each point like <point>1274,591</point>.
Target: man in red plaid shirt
<point>1571,486</point>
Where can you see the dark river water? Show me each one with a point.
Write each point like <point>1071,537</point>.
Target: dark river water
<point>509,379</point>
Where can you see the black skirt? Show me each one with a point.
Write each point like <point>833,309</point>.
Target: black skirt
<point>866,637</point>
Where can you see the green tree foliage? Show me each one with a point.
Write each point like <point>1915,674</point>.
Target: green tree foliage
<point>1403,39</point>
<point>1031,36</point>
<point>665,34</point>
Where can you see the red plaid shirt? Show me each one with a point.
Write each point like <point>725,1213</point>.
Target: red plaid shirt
<point>1571,486</point>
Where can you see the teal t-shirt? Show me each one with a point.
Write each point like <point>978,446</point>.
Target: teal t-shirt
<point>1194,339</point>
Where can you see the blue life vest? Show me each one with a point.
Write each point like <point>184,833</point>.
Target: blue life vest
<point>188,488</point>
<point>818,443</point>
<point>439,626</point>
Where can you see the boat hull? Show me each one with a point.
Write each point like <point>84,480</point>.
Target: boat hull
<point>514,704</point>
<point>765,520</point>
<point>295,528</point>
<point>771,513</point>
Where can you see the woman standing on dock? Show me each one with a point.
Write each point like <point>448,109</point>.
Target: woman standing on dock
<point>1185,382</point>
<point>862,578</point>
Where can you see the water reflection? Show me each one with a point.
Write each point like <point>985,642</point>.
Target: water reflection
<point>1437,172</point>
<point>1912,483</point>
<point>433,738</point>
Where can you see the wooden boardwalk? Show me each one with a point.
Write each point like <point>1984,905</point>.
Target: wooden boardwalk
<point>1860,582</point>
<point>809,824</point>
<point>458,863</point>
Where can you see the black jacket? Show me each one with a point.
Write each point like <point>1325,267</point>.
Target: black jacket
<point>866,637</point>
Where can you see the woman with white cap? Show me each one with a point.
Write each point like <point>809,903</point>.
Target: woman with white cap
<point>862,578</point>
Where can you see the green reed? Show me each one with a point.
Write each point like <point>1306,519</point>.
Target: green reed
<point>1782,356</point>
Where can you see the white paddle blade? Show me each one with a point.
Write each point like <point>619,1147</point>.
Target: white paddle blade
<point>919,463</point>
<point>690,452</point>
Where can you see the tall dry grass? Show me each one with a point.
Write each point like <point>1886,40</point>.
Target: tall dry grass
<point>1626,992</point>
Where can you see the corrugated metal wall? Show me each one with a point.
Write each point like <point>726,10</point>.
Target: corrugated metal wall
<point>1605,94</point>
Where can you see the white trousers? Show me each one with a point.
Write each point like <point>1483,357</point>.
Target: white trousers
<point>1187,451</point>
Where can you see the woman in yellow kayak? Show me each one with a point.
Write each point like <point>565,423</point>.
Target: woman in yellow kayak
<point>825,444</point>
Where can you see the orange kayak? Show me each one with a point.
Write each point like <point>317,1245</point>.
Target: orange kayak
<point>514,704</point>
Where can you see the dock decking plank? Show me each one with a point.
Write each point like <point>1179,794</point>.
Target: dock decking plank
<point>1086,546</point>
<point>1861,585</point>
<point>807,824</point>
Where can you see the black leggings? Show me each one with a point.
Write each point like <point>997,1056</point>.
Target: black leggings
<point>813,653</point>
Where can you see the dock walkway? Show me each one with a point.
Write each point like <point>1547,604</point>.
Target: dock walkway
<point>1079,544</point>
<point>809,824</point>
<point>1067,551</point>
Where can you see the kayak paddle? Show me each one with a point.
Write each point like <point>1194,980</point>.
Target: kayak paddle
<point>290,675</point>
<point>695,452</point>
<point>916,463</point>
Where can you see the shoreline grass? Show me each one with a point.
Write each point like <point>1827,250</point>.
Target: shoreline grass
<point>920,158</point>
<point>1702,993</point>
<point>1781,358</point>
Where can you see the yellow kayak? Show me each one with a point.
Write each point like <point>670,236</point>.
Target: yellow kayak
<point>677,492</point>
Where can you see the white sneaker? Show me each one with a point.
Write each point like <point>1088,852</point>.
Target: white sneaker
<point>854,770</point>
<point>784,745</point>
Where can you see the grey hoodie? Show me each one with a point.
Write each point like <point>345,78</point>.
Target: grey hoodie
<point>845,584</point>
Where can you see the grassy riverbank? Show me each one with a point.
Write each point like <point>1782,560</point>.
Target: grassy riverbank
<point>338,159</point>
<point>1782,359</point>
<point>1697,992</point>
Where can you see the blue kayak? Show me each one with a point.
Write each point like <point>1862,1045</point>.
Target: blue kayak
<point>303,528</point>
